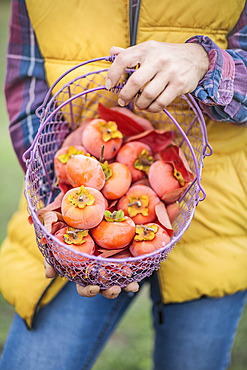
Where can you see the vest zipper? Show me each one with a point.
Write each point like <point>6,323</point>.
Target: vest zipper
<point>133,24</point>
<point>130,18</point>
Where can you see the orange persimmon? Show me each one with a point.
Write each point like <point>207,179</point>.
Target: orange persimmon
<point>149,237</point>
<point>78,240</point>
<point>139,203</point>
<point>137,156</point>
<point>99,132</point>
<point>118,182</point>
<point>115,231</point>
<point>83,207</point>
<point>161,178</point>
<point>86,171</point>
<point>61,159</point>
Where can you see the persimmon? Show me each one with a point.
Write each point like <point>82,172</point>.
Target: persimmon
<point>118,180</point>
<point>109,274</point>
<point>61,159</point>
<point>118,270</point>
<point>137,156</point>
<point>149,237</point>
<point>86,171</point>
<point>139,203</point>
<point>162,178</point>
<point>99,132</point>
<point>83,207</point>
<point>173,210</point>
<point>74,137</point>
<point>174,155</point>
<point>115,231</point>
<point>79,240</point>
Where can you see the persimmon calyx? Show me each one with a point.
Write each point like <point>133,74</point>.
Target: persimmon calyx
<point>115,216</point>
<point>109,130</point>
<point>145,232</point>
<point>63,158</point>
<point>179,177</point>
<point>75,236</point>
<point>144,161</point>
<point>106,169</point>
<point>82,198</point>
<point>138,205</point>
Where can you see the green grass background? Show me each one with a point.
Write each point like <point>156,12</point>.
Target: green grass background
<point>130,347</point>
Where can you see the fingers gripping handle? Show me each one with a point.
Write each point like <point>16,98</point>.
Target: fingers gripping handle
<point>41,109</point>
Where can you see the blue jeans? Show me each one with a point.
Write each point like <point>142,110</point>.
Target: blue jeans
<point>69,333</point>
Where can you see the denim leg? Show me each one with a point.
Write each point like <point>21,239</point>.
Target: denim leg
<point>67,334</point>
<point>196,335</point>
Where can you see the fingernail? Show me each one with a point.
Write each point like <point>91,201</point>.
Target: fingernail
<point>116,292</point>
<point>114,295</point>
<point>135,290</point>
<point>108,84</point>
<point>121,102</point>
<point>134,287</point>
<point>94,291</point>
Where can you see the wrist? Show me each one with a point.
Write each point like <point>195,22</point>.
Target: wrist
<point>217,85</point>
<point>200,56</point>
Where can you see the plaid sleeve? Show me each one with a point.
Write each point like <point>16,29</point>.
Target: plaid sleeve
<point>222,93</point>
<point>25,81</point>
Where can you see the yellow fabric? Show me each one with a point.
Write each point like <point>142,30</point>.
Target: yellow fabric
<point>212,255</point>
<point>22,275</point>
<point>92,27</point>
<point>89,30</point>
<point>179,20</point>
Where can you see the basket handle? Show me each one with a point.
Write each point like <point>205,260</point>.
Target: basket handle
<point>42,126</point>
<point>198,177</point>
<point>111,59</point>
<point>208,149</point>
<point>40,110</point>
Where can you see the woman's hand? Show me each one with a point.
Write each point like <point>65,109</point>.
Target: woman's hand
<point>165,72</point>
<point>93,290</point>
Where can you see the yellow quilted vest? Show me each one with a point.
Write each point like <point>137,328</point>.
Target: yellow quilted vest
<point>211,258</point>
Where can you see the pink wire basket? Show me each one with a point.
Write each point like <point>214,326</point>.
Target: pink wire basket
<point>66,105</point>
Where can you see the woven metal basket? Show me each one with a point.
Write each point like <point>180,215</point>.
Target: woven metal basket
<point>74,97</point>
